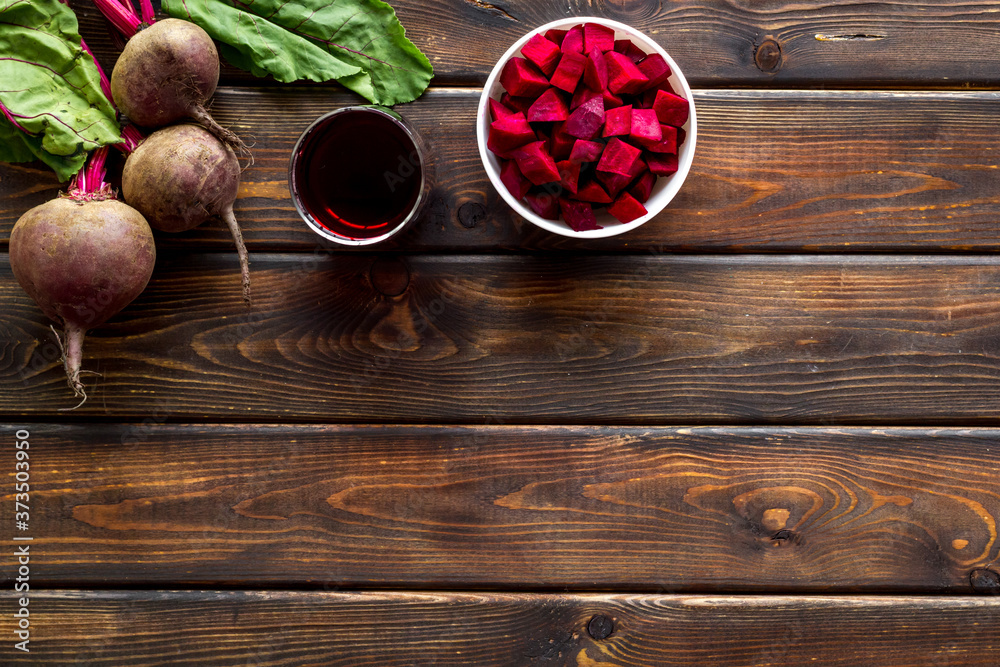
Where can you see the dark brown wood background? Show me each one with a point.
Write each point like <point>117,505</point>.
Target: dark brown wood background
<point>763,429</point>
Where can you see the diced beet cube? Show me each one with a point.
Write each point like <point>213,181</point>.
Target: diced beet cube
<point>643,187</point>
<point>618,157</point>
<point>582,96</point>
<point>549,107</point>
<point>626,208</point>
<point>555,35</point>
<point>618,121</point>
<point>597,36</point>
<point>586,121</point>
<point>522,79</point>
<point>569,71</point>
<point>499,110</point>
<point>561,144</point>
<point>655,68</point>
<point>573,40</point>
<point>623,75</point>
<point>521,104</point>
<point>536,164</point>
<point>645,127</point>
<point>671,109</point>
<point>509,133</point>
<point>648,98</point>
<point>595,75</point>
<point>613,183</point>
<point>627,48</point>
<point>544,204</point>
<point>593,192</point>
<point>586,151</point>
<point>515,181</point>
<point>668,144</point>
<point>569,173</point>
<point>662,164</point>
<point>543,53</point>
<point>579,215</point>
<point>611,100</point>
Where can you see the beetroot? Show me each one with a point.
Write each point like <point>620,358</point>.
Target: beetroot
<point>522,79</point>
<point>597,36</point>
<point>671,109</point>
<point>586,151</point>
<point>579,215</point>
<point>167,72</point>
<point>550,106</point>
<point>514,179</point>
<point>181,176</point>
<point>627,48</point>
<point>593,192</point>
<point>643,187</point>
<point>499,110</point>
<point>586,120</point>
<point>543,53</point>
<point>569,71</point>
<point>626,209</point>
<point>545,205</point>
<point>645,127</point>
<point>668,142</point>
<point>662,164</point>
<point>618,158</point>
<point>82,258</point>
<point>607,146</point>
<point>572,41</point>
<point>508,133</point>
<point>595,75</point>
<point>618,121</point>
<point>624,78</point>
<point>569,174</point>
<point>655,68</point>
<point>536,164</point>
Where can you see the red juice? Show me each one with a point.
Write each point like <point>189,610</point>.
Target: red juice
<point>357,174</point>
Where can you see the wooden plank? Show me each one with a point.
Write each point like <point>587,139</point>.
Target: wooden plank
<point>386,629</point>
<point>552,508</point>
<point>774,171</point>
<point>528,339</point>
<point>716,43</point>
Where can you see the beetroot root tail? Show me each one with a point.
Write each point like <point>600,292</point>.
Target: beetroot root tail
<point>241,249</point>
<point>226,136</point>
<point>72,351</point>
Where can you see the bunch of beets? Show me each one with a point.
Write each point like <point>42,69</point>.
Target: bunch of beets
<point>85,256</point>
<point>585,121</point>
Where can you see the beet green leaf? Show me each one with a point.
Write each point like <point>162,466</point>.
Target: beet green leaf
<point>50,89</point>
<point>360,43</point>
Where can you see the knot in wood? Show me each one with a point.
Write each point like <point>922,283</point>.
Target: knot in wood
<point>600,627</point>
<point>984,581</point>
<point>389,276</point>
<point>471,213</point>
<point>767,56</point>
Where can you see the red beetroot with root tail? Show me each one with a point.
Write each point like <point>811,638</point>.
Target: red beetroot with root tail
<point>82,257</point>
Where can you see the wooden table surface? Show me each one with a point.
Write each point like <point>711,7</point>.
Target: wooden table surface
<point>762,429</point>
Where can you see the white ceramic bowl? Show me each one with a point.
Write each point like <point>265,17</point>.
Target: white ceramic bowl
<point>665,187</point>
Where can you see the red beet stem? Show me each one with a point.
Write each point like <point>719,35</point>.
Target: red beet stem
<point>89,184</point>
<point>121,16</point>
<point>146,9</point>
<point>105,84</point>
<point>230,219</point>
<point>131,138</point>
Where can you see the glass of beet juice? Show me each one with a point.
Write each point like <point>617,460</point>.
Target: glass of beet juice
<point>359,175</point>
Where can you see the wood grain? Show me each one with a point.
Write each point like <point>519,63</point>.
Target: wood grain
<point>941,44</point>
<point>544,508</point>
<point>593,339</point>
<point>389,629</point>
<point>774,171</point>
